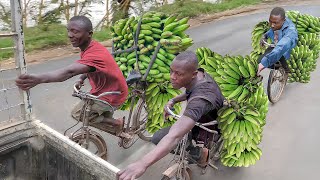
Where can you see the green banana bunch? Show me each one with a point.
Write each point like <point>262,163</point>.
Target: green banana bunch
<point>155,28</point>
<point>293,15</point>
<point>306,23</point>
<point>157,96</point>
<point>241,121</point>
<point>173,37</point>
<point>241,128</point>
<point>245,158</point>
<point>304,57</point>
<point>301,64</point>
<point>235,75</point>
<point>257,33</point>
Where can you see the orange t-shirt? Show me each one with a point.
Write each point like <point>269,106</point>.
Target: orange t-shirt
<point>107,76</point>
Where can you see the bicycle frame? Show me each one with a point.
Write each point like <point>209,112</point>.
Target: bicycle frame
<point>181,163</point>
<point>86,109</point>
<point>136,92</point>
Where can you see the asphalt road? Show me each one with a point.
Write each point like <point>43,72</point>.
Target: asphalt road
<point>290,143</point>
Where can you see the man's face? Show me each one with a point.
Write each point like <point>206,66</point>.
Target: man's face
<point>276,22</point>
<point>77,34</point>
<point>181,74</point>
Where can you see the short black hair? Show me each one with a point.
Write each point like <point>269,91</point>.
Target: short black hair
<point>278,11</point>
<point>84,21</point>
<point>189,57</point>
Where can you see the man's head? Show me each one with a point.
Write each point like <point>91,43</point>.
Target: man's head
<point>80,31</point>
<point>183,69</point>
<point>277,18</point>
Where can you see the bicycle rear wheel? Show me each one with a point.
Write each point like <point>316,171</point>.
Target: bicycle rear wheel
<point>140,116</point>
<point>276,83</point>
<point>96,144</point>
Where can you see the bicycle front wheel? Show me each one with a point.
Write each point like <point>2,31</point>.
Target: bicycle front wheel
<point>140,116</point>
<point>95,144</point>
<point>276,83</point>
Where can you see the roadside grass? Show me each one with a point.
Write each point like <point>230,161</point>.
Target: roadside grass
<point>38,37</point>
<point>191,8</point>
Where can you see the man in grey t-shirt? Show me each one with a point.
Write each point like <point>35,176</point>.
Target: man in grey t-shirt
<point>204,99</point>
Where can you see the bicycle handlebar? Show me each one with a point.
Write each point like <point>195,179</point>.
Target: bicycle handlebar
<point>93,96</point>
<point>172,113</point>
<point>201,125</point>
<point>268,44</point>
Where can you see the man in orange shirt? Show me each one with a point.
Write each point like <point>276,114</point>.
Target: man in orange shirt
<point>97,65</point>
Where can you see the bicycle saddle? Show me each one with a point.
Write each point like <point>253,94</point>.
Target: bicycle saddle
<point>133,77</point>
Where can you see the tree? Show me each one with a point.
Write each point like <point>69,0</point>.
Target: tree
<point>105,21</point>
<point>25,11</point>
<point>5,16</point>
<point>41,7</point>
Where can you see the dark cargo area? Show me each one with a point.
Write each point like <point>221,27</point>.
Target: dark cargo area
<point>35,159</point>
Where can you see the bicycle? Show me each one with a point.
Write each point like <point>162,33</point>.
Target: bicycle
<point>180,168</point>
<point>135,123</point>
<point>138,114</point>
<point>276,81</point>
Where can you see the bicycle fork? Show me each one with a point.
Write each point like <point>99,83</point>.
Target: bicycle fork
<point>85,129</point>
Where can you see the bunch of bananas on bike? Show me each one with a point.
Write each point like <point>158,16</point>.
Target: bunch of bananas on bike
<point>153,28</point>
<point>242,118</point>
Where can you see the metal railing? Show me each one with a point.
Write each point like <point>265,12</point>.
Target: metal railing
<point>14,103</point>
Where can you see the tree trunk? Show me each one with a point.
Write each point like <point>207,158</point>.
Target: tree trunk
<point>76,3</point>
<point>25,15</point>
<point>107,13</point>
<point>41,6</point>
<point>67,11</point>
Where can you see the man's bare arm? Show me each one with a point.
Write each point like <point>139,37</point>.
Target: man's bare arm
<point>170,141</point>
<point>27,81</point>
<point>179,98</point>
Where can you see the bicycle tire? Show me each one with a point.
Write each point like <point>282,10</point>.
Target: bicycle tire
<point>141,108</point>
<point>273,98</point>
<point>96,139</point>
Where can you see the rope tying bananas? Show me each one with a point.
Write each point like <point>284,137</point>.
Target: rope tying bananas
<point>243,116</point>
<point>149,30</point>
<point>304,56</point>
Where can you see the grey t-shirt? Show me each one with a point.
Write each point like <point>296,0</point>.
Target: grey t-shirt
<point>204,100</point>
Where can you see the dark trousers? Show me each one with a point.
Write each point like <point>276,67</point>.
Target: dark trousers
<point>194,151</point>
<point>282,61</point>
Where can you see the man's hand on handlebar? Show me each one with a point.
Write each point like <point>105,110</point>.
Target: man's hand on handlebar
<point>169,105</point>
<point>79,84</point>
<point>262,42</point>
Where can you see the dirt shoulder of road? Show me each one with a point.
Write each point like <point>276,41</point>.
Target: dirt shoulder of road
<point>53,53</point>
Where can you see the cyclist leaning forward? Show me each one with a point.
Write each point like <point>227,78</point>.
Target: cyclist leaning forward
<point>284,36</point>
